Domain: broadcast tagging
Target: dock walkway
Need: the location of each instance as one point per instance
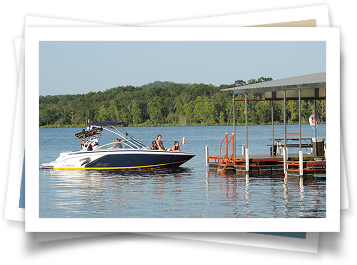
(263, 162)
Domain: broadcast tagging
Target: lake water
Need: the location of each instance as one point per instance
(191, 191)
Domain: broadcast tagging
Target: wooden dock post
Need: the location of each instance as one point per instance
(301, 163)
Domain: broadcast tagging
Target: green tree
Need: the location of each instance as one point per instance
(72, 117)
(199, 110)
(166, 102)
(180, 110)
(263, 112)
(112, 113)
(322, 110)
(136, 112)
(171, 118)
(240, 82)
(219, 103)
(155, 110)
(204, 111)
(103, 114)
(188, 108)
(45, 117)
(125, 116)
(292, 110)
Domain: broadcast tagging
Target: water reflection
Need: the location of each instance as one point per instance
(179, 193)
(107, 193)
(268, 196)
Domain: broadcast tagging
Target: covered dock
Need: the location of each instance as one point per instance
(305, 87)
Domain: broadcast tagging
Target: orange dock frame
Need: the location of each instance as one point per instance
(227, 159)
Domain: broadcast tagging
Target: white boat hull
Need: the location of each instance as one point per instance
(118, 159)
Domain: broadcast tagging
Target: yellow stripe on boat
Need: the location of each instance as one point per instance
(108, 168)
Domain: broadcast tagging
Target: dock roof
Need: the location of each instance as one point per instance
(317, 80)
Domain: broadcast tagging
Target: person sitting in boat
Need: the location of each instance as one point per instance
(117, 143)
(83, 144)
(159, 143)
(154, 146)
(89, 148)
(176, 147)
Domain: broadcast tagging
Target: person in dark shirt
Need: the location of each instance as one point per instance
(176, 147)
(159, 143)
(154, 146)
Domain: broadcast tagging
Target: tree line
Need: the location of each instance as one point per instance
(169, 104)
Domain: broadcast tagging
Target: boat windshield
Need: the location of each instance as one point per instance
(124, 144)
(94, 131)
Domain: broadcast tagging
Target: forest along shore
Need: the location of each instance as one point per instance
(169, 104)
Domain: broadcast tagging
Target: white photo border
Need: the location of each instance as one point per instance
(36, 34)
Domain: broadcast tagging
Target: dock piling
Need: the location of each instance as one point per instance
(284, 158)
(301, 163)
(247, 160)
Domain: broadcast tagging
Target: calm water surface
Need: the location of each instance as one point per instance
(191, 191)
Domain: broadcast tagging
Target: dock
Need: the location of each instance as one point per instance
(266, 163)
(306, 87)
(288, 163)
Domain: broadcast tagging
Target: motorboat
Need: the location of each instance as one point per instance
(124, 153)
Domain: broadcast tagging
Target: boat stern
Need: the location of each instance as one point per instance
(47, 165)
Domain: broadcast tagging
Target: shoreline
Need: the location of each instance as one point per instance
(173, 125)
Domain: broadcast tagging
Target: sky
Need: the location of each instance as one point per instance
(79, 67)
